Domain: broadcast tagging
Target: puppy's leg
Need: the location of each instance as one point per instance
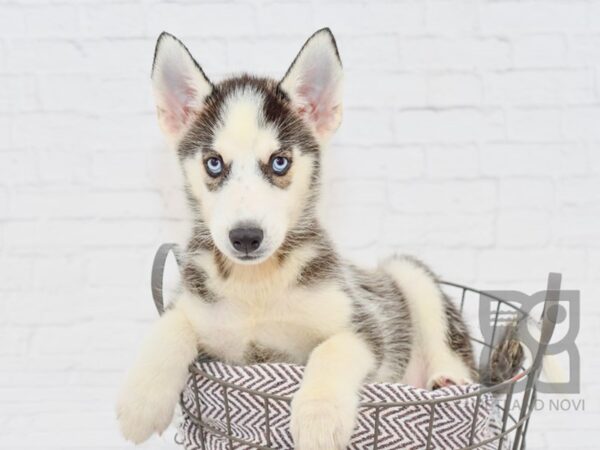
(324, 408)
(429, 315)
(152, 387)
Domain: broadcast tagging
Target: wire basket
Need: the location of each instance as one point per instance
(493, 417)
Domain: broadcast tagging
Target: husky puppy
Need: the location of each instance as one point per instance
(261, 279)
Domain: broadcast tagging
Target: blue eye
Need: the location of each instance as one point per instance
(280, 165)
(214, 166)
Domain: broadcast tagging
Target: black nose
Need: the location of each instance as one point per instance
(246, 239)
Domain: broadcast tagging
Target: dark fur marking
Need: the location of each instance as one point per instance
(258, 354)
(381, 292)
(223, 265)
(296, 238)
(369, 329)
(201, 239)
(194, 279)
(322, 267)
(277, 110)
(458, 336)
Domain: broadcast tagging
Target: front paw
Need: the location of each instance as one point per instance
(321, 423)
(144, 407)
(442, 380)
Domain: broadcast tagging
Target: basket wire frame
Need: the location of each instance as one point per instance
(512, 425)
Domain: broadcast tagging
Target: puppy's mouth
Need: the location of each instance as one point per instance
(249, 258)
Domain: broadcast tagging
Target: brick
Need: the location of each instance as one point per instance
(540, 51)
(526, 193)
(579, 192)
(358, 18)
(126, 170)
(284, 19)
(17, 271)
(398, 90)
(582, 50)
(454, 53)
(45, 56)
(58, 167)
(366, 127)
(6, 131)
(534, 159)
(207, 20)
(53, 340)
(540, 87)
(455, 264)
(104, 268)
(357, 192)
(369, 218)
(273, 58)
(452, 125)
(534, 124)
(531, 16)
(578, 226)
(67, 92)
(56, 132)
(453, 230)
(37, 203)
(111, 56)
(455, 89)
(15, 341)
(213, 55)
(25, 86)
(113, 20)
(12, 20)
(447, 196)
(397, 162)
(580, 123)
(82, 93)
(451, 17)
(453, 161)
(367, 53)
(515, 265)
(524, 229)
(52, 21)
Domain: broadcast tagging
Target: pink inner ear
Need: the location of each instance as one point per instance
(318, 107)
(178, 110)
(316, 93)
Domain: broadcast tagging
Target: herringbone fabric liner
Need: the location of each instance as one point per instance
(400, 427)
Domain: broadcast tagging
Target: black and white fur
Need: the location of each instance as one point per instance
(290, 297)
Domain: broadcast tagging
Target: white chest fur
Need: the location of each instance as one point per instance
(290, 321)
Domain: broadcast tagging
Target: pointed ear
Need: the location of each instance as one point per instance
(314, 83)
(180, 86)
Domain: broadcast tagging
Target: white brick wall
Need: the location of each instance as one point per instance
(470, 139)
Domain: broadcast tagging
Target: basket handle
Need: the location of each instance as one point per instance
(549, 317)
(158, 269)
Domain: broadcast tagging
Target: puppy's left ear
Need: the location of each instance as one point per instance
(314, 83)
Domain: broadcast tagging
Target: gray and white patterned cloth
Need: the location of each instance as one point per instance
(252, 422)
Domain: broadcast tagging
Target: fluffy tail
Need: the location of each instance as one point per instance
(505, 360)
(509, 356)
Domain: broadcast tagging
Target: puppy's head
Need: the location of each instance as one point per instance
(249, 147)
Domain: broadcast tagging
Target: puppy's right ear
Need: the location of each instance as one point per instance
(180, 86)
